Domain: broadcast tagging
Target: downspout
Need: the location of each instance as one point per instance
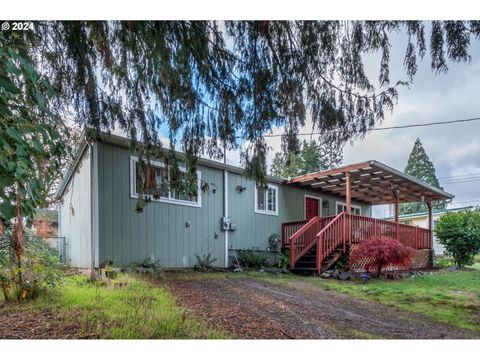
(92, 245)
(225, 213)
(93, 204)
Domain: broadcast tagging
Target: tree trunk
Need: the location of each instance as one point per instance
(17, 238)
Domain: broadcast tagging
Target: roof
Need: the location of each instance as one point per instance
(125, 142)
(371, 182)
(425, 213)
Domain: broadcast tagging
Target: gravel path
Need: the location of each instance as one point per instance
(253, 309)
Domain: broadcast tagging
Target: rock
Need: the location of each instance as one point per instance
(346, 275)
(325, 275)
(330, 272)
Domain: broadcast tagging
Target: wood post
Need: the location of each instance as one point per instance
(347, 193)
(430, 224)
(397, 227)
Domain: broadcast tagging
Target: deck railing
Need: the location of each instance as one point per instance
(290, 228)
(331, 232)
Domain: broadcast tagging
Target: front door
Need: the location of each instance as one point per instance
(312, 206)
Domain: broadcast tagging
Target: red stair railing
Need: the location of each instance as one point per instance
(335, 233)
(304, 239)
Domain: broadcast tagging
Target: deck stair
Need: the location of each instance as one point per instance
(316, 244)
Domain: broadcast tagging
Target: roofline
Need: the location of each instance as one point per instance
(412, 179)
(420, 214)
(125, 142)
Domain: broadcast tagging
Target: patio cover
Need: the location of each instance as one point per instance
(371, 182)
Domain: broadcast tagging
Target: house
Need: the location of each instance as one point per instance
(421, 219)
(45, 223)
(99, 194)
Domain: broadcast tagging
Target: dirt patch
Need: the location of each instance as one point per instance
(253, 309)
(45, 324)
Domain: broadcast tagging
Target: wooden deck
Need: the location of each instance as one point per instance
(327, 235)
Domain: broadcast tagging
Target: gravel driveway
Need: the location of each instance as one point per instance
(248, 307)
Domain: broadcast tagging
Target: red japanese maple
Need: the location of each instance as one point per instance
(382, 251)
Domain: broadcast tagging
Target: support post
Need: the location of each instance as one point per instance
(397, 227)
(430, 225)
(347, 192)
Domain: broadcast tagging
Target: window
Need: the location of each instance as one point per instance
(266, 200)
(355, 210)
(160, 190)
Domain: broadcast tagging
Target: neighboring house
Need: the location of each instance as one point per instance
(99, 194)
(421, 219)
(2, 224)
(45, 223)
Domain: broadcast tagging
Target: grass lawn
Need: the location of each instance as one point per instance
(137, 310)
(452, 297)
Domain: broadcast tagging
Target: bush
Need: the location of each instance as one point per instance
(40, 269)
(460, 234)
(382, 251)
(274, 242)
(252, 259)
(443, 262)
(204, 262)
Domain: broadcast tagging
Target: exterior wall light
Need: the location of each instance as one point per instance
(240, 188)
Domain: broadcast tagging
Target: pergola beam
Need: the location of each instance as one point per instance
(370, 182)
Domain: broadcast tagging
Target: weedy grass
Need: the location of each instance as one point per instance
(451, 297)
(137, 310)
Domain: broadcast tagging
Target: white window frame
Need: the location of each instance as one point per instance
(344, 204)
(267, 212)
(169, 200)
(320, 203)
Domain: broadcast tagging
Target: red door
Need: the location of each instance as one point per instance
(311, 207)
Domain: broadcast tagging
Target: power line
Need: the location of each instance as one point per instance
(460, 176)
(387, 128)
(460, 181)
(464, 202)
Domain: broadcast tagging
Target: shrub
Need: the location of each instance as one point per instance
(382, 251)
(443, 262)
(204, 262)
(460, 234)
(283, 260)
(252, 259)
(40, 269)
(274, 242)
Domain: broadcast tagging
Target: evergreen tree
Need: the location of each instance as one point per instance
(420, 167)
(312, 156)
(210, 81)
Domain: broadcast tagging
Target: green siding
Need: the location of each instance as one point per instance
(160, 232)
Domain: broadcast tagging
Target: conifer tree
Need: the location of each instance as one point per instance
(420, 167)
(312, 156)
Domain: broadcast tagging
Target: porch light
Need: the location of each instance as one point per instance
(240, 188)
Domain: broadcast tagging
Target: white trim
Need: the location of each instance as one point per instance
(225, 213)
(320, 204)
(267, 212)
(133, 185)
(344, 204)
